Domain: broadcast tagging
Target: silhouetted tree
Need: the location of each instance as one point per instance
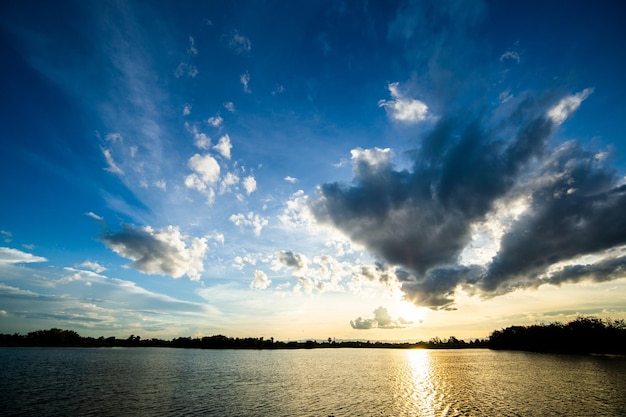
(583, 335)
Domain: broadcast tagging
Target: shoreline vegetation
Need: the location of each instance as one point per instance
(581, 336)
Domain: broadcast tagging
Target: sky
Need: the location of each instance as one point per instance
(372, 170)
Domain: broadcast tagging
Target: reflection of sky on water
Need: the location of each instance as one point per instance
(316, 382)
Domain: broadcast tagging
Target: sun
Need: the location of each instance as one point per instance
(409, 311)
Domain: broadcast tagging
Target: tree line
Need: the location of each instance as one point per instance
(69, 338)
(582, 335)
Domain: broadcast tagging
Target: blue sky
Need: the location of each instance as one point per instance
(371, 170)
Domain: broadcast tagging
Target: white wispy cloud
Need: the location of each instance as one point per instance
(402, 108)
(92, 266)
(215, 236)
(278, 90)
(206, 173)
(7, 289)
(568, 105)
(228, 181)
(249, 184)
(224, 146)
(206, 167)
(6, 235)
(510, 56)
(192, 46)
(75, 275)
(245, 81)
(114, 137)
(215, 121)
(93, 215)
(186, 69)
(210, 196)
(291, 179)
(111, 165)
(239, 42)
(15, 256)
(239, 262)
(250, 220)
(166, 251)
(186, 109)
(200, 139)
(160, 184)
(505, 96)
(230, 106)
(260, 280)
(100, 302)
(321, 273)
(194, 182)
(296, 213)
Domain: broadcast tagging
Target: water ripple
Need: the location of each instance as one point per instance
(317, 383)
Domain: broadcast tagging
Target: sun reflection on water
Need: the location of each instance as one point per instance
(422, 391)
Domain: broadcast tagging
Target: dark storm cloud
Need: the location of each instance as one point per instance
(578, 209)
(421, 219)
(605, 270)
(436, 288)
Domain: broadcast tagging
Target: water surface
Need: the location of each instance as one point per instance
(318, 382)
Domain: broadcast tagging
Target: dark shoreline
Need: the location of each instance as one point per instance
(69, 338)
(585, 335)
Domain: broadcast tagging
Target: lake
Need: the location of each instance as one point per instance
(316, 382)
